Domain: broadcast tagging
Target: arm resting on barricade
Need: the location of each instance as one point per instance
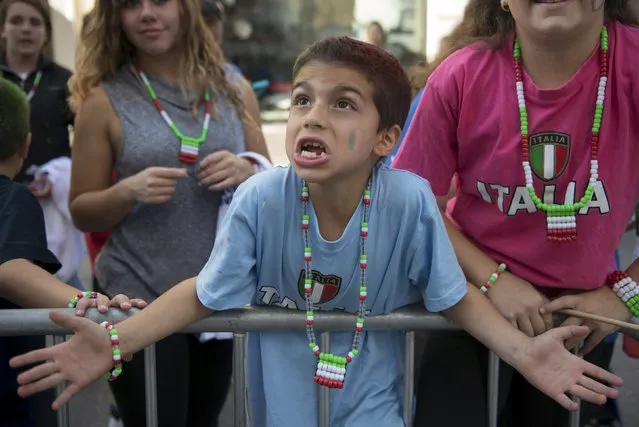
(170, 313)
(27, 285)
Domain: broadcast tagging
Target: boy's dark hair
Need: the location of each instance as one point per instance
(14, 119)
(391, 87)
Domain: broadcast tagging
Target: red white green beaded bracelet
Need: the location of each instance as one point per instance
(493, 278)
(115, 349)
(74, 301)
(626, 289)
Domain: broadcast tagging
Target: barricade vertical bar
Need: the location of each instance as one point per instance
(324, 395)
(150, 386)
(575, 417)
(63, 413)
(493, 389)
(409, 377)
(239, 380)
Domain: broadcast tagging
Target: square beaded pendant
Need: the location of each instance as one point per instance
(188, 152)
(331, 371)
(561, 226)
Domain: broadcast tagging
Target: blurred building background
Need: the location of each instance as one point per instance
(263, 37)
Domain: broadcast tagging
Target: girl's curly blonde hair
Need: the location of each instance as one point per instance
(104, 50)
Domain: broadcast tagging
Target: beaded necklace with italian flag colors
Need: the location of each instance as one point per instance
(34, 87)
(189, 146)
(561, 220)
(331, 369)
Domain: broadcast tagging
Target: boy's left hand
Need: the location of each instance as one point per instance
(548, 366)
(102, 303)
(603, 302)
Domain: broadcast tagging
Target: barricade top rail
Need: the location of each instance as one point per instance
(249, 319)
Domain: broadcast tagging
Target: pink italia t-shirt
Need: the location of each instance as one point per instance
(467, 124)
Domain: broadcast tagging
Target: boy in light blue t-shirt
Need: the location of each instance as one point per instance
(335, 230)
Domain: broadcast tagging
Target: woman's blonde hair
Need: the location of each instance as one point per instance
(105, 49)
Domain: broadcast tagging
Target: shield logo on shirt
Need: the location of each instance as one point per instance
(325, 287)
(549, 152)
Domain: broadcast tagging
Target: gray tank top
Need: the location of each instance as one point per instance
(157, 246)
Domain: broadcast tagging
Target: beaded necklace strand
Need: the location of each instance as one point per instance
(34, 87)
(561, 220)
(331, 369)
(189, 146)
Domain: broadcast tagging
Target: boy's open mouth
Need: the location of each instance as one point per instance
(312, 148)
(549, 1)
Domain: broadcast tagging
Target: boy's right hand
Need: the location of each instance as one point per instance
(154, 185)
(84, 358)
(519, 302)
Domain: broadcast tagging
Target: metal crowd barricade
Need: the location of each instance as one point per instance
(241, 321)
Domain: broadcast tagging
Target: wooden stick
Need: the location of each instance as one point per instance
(596, 318)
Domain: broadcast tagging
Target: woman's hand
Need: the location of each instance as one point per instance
(223, 169)
(154, 185)
(519, 302)
(603, 302)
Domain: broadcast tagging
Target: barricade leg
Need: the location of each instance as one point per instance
(409, 377)
(63, 413)
(324, 396)
(493, 389)
(150, 386)
(239, 380)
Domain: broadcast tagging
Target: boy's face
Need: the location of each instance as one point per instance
(332, 127)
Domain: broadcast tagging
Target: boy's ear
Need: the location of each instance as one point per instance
(24, 150)
(387, 141)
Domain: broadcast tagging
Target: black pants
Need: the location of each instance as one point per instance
(452, 383)
(193, 380)
(34, 411)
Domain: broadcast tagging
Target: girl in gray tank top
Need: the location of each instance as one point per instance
(162, 208)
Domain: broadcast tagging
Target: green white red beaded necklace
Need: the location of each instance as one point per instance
(331, 369)
(561, 220)
(34, 87)
(189, 146)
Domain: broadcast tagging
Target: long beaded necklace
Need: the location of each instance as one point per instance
(561, 220)
(331, 369)
(189, 146)
(34, 87)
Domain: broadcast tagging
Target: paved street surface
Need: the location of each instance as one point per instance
(90, 409)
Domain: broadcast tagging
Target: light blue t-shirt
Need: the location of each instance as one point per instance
(258, 259)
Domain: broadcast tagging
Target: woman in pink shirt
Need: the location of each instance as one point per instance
(535, 104)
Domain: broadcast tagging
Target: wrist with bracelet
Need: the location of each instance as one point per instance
(114, 339)
(116, 354)
(492, 279)
(626, 289)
